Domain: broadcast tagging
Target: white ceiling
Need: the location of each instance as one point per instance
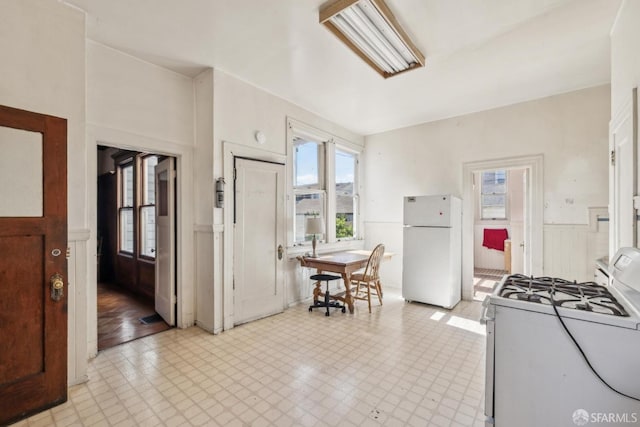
(480, 54)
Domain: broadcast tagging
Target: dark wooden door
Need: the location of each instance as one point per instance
(33, 247)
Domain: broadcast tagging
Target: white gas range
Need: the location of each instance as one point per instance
(561, 353)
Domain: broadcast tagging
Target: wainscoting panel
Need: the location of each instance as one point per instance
(204, 238)
(390, 234)
(77, 307)
(570, 251)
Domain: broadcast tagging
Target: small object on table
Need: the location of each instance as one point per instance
(313, 226)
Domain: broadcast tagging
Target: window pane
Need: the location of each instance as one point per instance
(163, 193)
(307, 156)
(127, 186)
(494, 206)
(149, 167)
(21, 189)
(494, 197)
(126, 230)
(307, 205)
(345, 194)
(494, 182)
(148, 231)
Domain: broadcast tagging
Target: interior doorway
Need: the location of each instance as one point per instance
(528, 171)
(500, 210)
(128, 255)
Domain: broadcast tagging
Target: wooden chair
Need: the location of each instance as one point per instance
(369, 281)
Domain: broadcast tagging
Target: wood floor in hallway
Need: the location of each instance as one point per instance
(119, 314)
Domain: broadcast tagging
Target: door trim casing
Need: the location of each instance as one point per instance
(223, 293)
(185, 270)
(535, 203)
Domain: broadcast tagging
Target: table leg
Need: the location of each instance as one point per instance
(317, 291)
(348, 299)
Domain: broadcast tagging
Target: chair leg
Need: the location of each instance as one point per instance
(379, 292)
(369, 296)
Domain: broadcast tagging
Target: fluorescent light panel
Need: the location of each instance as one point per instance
(369, 28)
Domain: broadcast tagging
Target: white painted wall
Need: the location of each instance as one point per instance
(239, 110)
(625, 75)
(625, 61)
(128, 94)
(133, 104)
(42, 46)
(570, 130)
(205, 239)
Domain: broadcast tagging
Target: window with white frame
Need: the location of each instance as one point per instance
(308, 183)
(148, 207)
(136, 205)
(125, 207)
(325, 185)
(346, 196)
(493, 194)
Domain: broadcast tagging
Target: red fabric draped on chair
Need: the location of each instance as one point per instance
(494, 238)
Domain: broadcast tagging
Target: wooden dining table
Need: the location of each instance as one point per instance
(345, 263)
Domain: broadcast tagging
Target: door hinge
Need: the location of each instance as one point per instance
(613, 157)
(233, 284)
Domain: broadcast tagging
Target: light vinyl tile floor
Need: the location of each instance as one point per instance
(405, 364)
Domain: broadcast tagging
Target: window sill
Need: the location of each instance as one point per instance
(146, 259)
(493, 222)
(324, 248)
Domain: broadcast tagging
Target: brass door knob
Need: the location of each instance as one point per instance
(57, 287)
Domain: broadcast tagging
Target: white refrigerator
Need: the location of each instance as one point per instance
(432, 250)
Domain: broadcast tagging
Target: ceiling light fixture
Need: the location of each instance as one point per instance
(369, 28)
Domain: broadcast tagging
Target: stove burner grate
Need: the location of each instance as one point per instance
(586, 296)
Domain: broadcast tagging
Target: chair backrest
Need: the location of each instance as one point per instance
(373, 265)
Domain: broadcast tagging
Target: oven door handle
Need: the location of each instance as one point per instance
(488, 311)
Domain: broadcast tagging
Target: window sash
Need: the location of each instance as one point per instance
(147, 184)
(126, 199)
(315, 207)
(346, 218)
(148, 231)
(127, 185)
(125, 225)
(319, 168)
(493, 195)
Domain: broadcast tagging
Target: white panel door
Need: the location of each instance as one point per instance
(258, 239)
(165, 296)
(624, 165)
(520, 232)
